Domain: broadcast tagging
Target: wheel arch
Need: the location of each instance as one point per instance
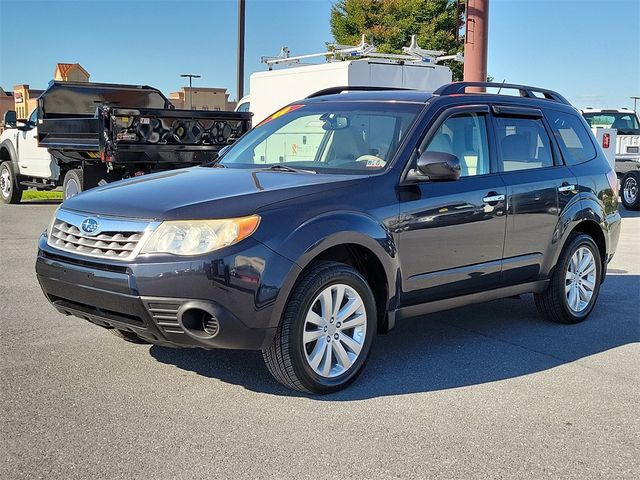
(8, 153)
(367, 246)
(587, 217)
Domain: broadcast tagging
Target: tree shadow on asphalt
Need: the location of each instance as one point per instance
(466, 346)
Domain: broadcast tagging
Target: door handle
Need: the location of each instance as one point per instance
(566, 188)
(493, 197)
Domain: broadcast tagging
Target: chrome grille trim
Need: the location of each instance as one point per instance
(114, 239)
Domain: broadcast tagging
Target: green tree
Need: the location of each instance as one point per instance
(389, 24)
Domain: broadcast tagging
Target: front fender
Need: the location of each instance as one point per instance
(8, 145)
(320, 233)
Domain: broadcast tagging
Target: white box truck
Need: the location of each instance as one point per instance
(273, 89)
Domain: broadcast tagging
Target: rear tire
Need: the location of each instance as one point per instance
(128, 336)
(72, 184)
(10, 189)
(575, 283)
(326, 331)
(630, 190)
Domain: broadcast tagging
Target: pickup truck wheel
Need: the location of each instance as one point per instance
(326, 331)
(10, 190)
(631, 191)
(127, 336)
(575, 283)
(72, 184)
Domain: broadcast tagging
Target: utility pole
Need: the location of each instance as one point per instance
(635, 100)
(190, 76)
(240, 73)
(476, 41)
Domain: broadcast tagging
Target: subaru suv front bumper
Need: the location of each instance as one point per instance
(221, 300)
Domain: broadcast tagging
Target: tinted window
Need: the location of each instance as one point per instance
(625, 123)
(523, 144)
(243, 107)
(465, 136)
(33, 118)
(574, 139)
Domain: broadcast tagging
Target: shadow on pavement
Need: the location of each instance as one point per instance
(466, 346)
(41, 202)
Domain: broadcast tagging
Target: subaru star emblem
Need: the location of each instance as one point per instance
(89, 225)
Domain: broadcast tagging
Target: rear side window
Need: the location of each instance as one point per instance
(523, 144)
(573, 138)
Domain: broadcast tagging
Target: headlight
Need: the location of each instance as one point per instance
(195, 237)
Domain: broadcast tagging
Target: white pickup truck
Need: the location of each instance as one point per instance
(21, 157)
(627, 124)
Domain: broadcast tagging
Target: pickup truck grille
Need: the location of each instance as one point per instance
(113, 239)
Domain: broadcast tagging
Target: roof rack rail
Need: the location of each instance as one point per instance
(524, 90)
(352, 88)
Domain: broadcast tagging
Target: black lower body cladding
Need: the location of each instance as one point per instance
(224, 301)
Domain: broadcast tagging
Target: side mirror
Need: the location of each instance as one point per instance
(435, 167)
(10, 118)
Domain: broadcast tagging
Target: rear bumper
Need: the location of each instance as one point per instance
(157, 301)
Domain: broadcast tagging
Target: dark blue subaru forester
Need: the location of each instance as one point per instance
(336, 217)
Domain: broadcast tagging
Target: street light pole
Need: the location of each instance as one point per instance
(240, 73)
(190, 76)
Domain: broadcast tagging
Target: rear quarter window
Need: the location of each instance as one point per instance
(572, 136)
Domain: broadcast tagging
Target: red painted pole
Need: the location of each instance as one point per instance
(476, 41)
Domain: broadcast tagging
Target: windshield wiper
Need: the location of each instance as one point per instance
(278, 167)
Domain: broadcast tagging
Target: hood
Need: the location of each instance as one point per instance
(201, 192)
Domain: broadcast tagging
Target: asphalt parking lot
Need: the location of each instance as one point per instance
(478, 392)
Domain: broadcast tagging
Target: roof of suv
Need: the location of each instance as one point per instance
(533, 96)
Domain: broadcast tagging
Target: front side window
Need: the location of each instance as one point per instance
(523, 144)
(465, 136)
(327, 137)
(574, 140)
(33, 118)
(243, 107)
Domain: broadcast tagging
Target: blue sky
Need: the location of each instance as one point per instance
(588, 50)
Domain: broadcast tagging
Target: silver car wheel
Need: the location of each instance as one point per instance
(580, 279)
(5, 182)
(335, 330)
(630, 190)
(71, 189)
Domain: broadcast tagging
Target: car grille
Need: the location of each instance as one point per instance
(107, 244)
(113, 238)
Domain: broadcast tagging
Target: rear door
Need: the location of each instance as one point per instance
(539, 186)
(451, 234)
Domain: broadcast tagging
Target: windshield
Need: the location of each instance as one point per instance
(625, 123)
(328, 137)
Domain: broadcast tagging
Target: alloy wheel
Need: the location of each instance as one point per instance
(580, 279)
(630, 190)
(335, 330)
(71, 189)
(5, 182)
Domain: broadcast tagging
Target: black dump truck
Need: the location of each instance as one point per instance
(97, 133)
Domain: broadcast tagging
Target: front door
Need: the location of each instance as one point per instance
(451, 234)
(35, 161)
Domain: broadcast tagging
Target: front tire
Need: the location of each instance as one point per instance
(326, 331)
(72, 184)
(630, 189)
(10, 189)
(575, 284)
